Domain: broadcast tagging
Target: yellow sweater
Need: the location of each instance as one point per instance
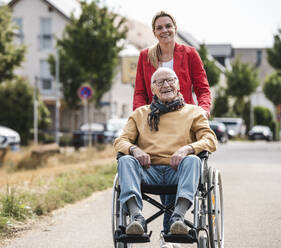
(186, 126)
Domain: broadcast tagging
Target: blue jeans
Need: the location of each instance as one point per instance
(131, 175)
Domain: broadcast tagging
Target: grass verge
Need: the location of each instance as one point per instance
(18, 204)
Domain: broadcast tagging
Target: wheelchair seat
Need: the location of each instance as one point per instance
(158, 189)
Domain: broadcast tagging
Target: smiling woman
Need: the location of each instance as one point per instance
(183, 60)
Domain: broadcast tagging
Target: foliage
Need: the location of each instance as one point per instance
(246, 115)
(67, 187)
(274, 53)
(11, 55)
(89, 51)
(16, 107)
(13, 206)
(262, 116)
(241, 80)
(272, 88)
(212, 71)
(221, 105)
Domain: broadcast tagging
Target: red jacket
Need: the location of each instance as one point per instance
(190, 71)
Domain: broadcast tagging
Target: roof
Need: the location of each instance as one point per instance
(64, 7)
(220, 49)
(188, 38)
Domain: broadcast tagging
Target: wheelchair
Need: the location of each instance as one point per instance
(207, 228)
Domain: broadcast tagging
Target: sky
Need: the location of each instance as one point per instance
(241, 23)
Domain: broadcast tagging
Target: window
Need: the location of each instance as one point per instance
(18, 31)
(45, 33)
(45, 75)
(259, 58)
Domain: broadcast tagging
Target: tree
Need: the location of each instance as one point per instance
(274, 53)
(212, 71)
(11, 55)
(241, 80)
(16, 107)
(221, 105)
(89, 51)
(272, 88)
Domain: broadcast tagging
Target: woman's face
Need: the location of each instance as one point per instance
(165, 86)
(164, 30)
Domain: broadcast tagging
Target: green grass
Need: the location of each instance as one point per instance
(46, 196)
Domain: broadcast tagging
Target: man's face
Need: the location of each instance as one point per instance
(165, 86)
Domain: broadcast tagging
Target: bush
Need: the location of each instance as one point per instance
(13, 206)
(66, 140)
(262, 116)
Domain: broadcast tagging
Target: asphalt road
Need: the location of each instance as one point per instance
(251, 173)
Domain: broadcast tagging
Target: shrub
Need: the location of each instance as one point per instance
(262, 116)
(13, 206)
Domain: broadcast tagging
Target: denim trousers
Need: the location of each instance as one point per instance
(131, 175)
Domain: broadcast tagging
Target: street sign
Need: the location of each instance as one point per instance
(85, 92)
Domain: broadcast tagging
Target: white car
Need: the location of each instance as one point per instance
(235, 126)
(9, 137)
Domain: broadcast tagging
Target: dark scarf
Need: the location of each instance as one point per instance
(159, 108)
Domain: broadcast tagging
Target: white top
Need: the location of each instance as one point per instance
(169, 64)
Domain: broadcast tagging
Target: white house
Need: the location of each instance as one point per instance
(40, 22)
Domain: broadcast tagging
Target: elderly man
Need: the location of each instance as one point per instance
(160, 142)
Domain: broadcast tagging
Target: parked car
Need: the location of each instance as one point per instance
(235, 126)
(114, 128)
(81, 137)
(260, 133)
(9, 138)
(220, 130)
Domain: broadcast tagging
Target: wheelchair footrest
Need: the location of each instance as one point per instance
(180, 238)
(126, 238)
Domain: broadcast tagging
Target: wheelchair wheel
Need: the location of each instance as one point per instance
(215, 209)
(115, 215)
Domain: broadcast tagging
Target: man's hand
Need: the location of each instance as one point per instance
(179, 155)
(142, 157)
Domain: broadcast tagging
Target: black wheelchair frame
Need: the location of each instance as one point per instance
(207, 228)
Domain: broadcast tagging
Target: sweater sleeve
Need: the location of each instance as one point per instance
(200, 82)
(127, 138)
(140, 92)
(205, 137)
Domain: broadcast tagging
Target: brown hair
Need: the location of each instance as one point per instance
(154, 52)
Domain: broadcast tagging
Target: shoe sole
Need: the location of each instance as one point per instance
(135, 229)
(178, 228)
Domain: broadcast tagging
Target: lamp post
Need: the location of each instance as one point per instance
(57, 89)
(35, 111)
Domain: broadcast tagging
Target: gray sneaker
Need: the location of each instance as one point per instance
(177, 225)
(137, 225)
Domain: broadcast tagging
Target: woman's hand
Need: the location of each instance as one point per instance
(142, 157)
(179, 155)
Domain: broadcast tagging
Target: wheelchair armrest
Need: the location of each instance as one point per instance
(119, 155)
(203, 154)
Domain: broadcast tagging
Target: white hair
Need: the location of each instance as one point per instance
(163, 69)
